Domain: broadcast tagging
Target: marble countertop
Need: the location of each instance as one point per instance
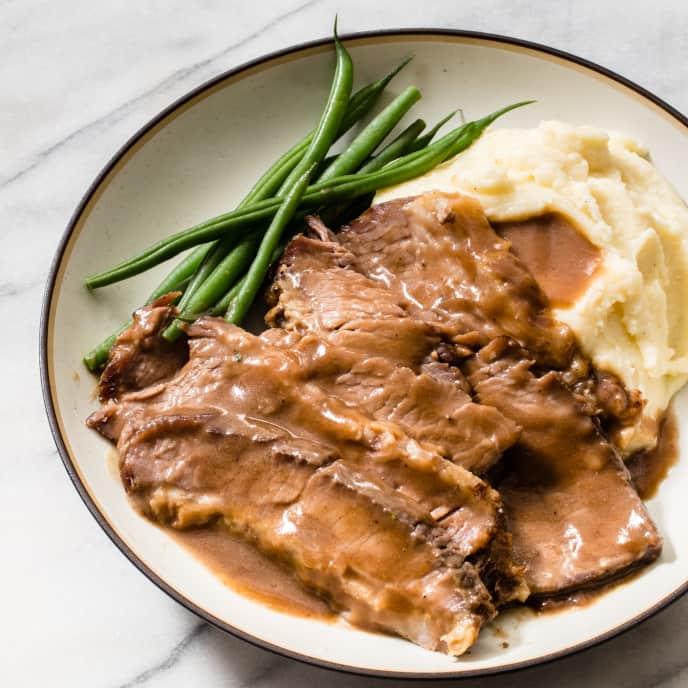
(78, 78)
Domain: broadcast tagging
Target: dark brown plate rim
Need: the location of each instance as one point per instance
(71, 469)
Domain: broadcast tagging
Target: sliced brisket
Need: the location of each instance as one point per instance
(408, 353)
(360, 512)
(364, 348)
(575, 518)
(449, 266)
(444, 261)
(574, 515)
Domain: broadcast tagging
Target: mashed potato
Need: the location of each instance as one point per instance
(631, 318)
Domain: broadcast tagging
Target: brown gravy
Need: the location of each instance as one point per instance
(560, 258)
(246, 570)
(649, 468)
(243, 568)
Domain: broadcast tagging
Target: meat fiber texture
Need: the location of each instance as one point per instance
(364, 346)
(411, 356)
(573, 514)
(363, 514)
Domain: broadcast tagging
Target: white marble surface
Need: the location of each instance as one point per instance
(78, 78)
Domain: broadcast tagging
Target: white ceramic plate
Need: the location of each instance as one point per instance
(195, 160)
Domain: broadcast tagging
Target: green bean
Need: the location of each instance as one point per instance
(268, 184)
(222, 277)
(477, 127)
(372, 135)
(220, 308)
(319, 142)
(274, 178)
(348, 186)
(97, 357)
(264, 188)
(219, 250)
(325, 164)
(446, 143)
(325, 134)
(362, 101)
(358, 107)
(360, 104)
(425, 140)
(449, 146)
(418, 154)
(395, 149)
(255, 276)
(237, 219)
(332, 117)
(181, 272)
(318, 194)
(237, 303)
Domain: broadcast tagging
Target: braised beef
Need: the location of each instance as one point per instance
(363, 514)
(449, 267)
(438, 253)
(141, 357)
(408, 353)
(378, 357)
(575, 517)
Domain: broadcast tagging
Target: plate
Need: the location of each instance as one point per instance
(195, 160)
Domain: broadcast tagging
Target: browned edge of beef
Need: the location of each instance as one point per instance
(361, 513)
(449, 267)
(140, 356)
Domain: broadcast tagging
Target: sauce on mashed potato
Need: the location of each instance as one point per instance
(630, 316)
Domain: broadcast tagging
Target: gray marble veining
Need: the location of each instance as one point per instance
(78, 78)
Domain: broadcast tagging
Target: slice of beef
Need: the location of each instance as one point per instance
(448, 265)
(431, 405)
(364, 348)
(140, 357)
(360, 512)
(439, 254)
(317, 289)
(571, 508)
(445, 262)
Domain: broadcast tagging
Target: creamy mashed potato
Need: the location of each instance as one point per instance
(631, 318)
